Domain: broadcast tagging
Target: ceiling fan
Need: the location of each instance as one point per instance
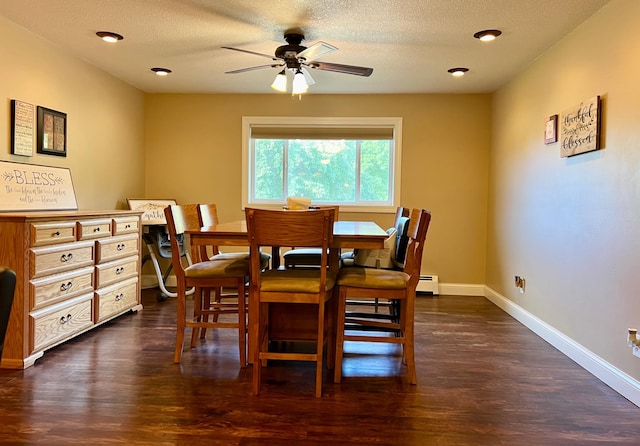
(298, 59)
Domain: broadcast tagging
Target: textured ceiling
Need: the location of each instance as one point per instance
(410, 44)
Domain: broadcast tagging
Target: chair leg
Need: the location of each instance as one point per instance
(242, 324)
(339, 349)
(197, 314)
(260, 344)
(408, 331)
(181, 315)
(320, 349)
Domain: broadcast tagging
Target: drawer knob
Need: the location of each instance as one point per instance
(64, 320)
(127, 226)
(66, 286)
(66, 257)
(119, 270)
(120, 246)
(119, 297)
(96, 229)
(56, 234)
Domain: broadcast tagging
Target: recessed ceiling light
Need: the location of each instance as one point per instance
(161, 71)
(458, 72)
(108, 36)
(487, 35)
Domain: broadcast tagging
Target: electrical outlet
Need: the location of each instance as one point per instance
(636, 351)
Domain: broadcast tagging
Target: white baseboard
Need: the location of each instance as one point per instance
(615, 378)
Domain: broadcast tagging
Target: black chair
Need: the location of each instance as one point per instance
(7, 288)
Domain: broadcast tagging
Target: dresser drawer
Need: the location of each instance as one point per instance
(116, 271)
(60, 258)
(115, 299)
(92, 229)
(51, 289)
(53, 233)
(61, 321)
(117, 247)
(125, 225)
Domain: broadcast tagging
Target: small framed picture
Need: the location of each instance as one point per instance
(551, 130)
(22, 127)
(52, 132)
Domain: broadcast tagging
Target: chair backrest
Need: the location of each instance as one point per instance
(417, 232)
(312, 228)
(401, 223)
(208, 215)
(179, 219)
(7, 289)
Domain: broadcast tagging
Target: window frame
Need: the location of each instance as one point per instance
(394, 123)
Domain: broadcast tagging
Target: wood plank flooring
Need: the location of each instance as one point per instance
(483, 379)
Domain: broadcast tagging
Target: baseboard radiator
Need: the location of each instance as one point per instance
(428, 285)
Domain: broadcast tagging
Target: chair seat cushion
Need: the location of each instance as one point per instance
(295, 281)
(359, 277)
(264, 257)
(223, 267)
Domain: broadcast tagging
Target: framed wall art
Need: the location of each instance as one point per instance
(22, 128)
(52, 132)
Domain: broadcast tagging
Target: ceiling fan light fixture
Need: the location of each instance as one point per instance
(280, 82)
(161, 71)
(108, 36)
(487, 35)
(299, 83)
(458, 72)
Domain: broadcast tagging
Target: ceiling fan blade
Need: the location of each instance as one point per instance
(307, 76)
(249, 52)
(316, 50)
(259, 67)
(339, 68)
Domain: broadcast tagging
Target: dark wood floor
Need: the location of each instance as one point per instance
(483, 379)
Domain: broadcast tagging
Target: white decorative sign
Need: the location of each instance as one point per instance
(29, 187)
(580, 128)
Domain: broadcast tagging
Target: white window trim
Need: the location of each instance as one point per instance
(310, 121)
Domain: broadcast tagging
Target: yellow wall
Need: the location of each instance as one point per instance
(570, 225)
(194, 154)
(105, 117)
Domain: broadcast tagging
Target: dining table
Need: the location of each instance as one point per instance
(283, 324)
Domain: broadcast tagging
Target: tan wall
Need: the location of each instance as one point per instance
(570, 225)
(105, 117)
(194, 154)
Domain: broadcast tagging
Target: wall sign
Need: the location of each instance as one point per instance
(152, 210)
(35, 188)
(580, 128)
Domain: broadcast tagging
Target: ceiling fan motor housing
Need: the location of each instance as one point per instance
(289, 52)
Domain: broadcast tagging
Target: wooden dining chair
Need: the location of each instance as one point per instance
(371, 283)
(205, 276)
(400, 226)
(313, 228)
(208, 216)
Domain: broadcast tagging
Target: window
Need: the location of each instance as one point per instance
(351, 162)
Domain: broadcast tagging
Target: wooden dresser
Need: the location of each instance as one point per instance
(74, 271)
